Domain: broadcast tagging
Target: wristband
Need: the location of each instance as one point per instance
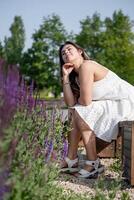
(66, 83)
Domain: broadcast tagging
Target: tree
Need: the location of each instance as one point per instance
(118, 45)
(1, 51)
(41, 61)
(89, 36)
(110, 42)
(14, 45)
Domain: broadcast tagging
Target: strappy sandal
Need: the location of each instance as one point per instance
(97, 169)
(71, 166)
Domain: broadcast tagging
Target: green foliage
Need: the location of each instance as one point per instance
(116, 166)
(1, 51)
(28, 169)
(110, 42)
(125, 196)
(41, 62)
(107, 191)
(119, 45)
(89, 36)
(14, 45)
(30, 176)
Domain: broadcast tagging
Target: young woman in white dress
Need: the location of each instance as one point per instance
(98, 100)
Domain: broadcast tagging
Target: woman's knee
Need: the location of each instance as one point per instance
(80, 123)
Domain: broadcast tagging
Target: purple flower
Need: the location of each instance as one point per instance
(31, 89)
(3, 190)
(65, 148)
(49, 151)
(46, 142)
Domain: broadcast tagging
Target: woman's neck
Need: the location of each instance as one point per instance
(77, 64)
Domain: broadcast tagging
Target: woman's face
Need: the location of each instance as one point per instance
(70, 53)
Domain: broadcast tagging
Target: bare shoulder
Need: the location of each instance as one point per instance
(97, 66)
(92, 67)
(87, 66)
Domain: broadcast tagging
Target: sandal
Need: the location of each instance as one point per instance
(71, 166)
(97, 169)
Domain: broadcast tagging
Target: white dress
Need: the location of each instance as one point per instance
(112, 102)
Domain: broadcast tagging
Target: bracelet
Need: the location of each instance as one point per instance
(66, 83)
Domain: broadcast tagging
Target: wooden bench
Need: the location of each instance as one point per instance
(126, 129)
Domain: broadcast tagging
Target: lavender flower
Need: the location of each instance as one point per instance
(3, 190)
(49, 151)
(65, 148)
(3, 187)
(46, 142)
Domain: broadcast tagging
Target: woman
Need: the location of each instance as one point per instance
(98, 98)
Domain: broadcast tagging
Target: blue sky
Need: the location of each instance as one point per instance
(70, 12)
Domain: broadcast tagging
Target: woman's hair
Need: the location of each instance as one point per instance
(72, 76)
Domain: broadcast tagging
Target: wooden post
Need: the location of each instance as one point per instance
(132, 155)
(128, 150)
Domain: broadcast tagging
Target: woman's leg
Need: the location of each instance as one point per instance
(73, 137)
(73, 141)
(89, 139)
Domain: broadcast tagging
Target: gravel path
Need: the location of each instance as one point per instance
(105, 183)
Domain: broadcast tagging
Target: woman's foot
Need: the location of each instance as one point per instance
(91, 169)
(69, 166)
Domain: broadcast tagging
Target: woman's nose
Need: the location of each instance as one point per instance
(66, 51)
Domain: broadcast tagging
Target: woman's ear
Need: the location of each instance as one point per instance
(80, 51)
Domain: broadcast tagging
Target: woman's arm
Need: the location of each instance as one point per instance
(69, 98)
(86, 78)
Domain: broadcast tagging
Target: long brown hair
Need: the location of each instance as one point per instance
(72, 76)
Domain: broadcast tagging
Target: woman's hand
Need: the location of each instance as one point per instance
(67, 69)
